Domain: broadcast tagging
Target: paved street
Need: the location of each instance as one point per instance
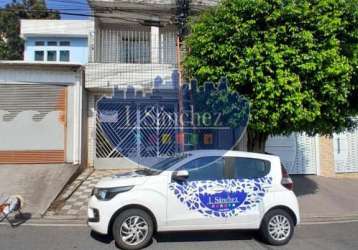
(325, 236)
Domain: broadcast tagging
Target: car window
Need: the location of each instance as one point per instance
(247, 168)
(205, 168)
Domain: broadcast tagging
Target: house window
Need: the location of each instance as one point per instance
(52, 43)
(39, 55)
(65, 43)
(135, 49)
(51, 56)
(39, 43)
(64, 55)
(124, 46)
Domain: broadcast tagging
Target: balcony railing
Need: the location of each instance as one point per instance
(122, 46)
(137, 57)
(139, 45)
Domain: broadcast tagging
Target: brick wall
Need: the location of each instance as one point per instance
(326, 155)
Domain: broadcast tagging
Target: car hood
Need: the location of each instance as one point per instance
(121, 180)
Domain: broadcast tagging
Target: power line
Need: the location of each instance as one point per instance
(53, 11)
(68, 1)
(133, 20)
(106, 11)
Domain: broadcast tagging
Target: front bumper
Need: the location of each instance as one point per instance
(99, 215)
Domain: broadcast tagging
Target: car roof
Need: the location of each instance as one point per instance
(233, 153)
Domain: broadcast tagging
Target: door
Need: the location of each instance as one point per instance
(193, 204)
(250, 179)
(32, 123)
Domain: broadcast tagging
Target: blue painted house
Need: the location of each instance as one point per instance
(56, 41)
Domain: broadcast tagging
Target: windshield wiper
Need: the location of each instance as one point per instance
(147, 171)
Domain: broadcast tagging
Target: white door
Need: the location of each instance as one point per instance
(192, 203)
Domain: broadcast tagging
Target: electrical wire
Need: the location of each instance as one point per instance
(73, 11)
(128, 20)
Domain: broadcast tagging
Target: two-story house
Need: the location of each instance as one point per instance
(134, 71)
(134, 61)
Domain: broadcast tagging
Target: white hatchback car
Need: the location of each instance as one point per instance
(199, 190)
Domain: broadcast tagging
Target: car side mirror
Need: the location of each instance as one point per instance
(180, 175)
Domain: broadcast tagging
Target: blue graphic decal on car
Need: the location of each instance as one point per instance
(223, 198)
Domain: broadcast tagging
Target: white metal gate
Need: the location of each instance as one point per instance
(297, 152)
(345, 146)
(131, 133)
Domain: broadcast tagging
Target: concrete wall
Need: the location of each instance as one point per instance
(66, 28)
(84, 139)
(78, 48)
(91, 132)
(39, 74)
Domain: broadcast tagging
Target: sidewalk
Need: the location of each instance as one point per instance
(72, 203)
(320, 198)
(38, 184)
(323, 198)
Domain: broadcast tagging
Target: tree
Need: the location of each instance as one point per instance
(11, 45)
(296, 62)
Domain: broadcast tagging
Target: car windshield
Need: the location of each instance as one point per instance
(162, 165)
(167, 163)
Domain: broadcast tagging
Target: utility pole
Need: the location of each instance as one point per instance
(181, 21)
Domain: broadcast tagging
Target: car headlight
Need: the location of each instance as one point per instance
(105, 194)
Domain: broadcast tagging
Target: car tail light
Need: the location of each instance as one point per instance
(286, 179)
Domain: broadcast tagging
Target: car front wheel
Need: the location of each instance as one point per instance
(277, 227)
(133, 229)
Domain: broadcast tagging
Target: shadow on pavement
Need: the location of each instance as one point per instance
(205, 236)
(106, 239)
(17, 220)
(304, 185)
(191, 236)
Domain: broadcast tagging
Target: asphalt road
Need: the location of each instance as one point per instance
(324, 236)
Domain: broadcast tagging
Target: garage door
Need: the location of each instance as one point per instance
(297, 152)
(345, 147)
(32, 123)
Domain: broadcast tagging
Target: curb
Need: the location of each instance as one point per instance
(71, 189)
(328, 219)
(68, 221)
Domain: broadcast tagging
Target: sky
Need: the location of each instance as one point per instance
(71, 6)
